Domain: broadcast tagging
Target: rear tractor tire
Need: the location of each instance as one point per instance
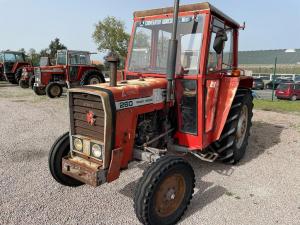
(23, 84)
(91, 77)
(18, 74)
(39, 90)
(233, 142)
(54, 90)
(164, 191)
(60, 149)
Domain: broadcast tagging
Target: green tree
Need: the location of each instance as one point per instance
(34, 57)
(54, 46)
(110, 36)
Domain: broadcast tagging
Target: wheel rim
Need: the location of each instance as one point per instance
(242, 126)
(94, 80)
(169, 195)
(55, 90)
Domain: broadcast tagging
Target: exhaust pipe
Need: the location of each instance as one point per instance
(113, 60)
(172, 54)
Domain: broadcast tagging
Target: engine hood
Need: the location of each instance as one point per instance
(130, 89)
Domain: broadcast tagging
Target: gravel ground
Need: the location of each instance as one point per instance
(263, 189)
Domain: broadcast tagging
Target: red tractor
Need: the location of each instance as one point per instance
(11, 65)
(189, 98)
(73, 68)
(27, 78)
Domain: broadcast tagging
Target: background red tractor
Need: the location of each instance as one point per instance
(27, 78)
(11, 65)
(190, 99)
(72, 69)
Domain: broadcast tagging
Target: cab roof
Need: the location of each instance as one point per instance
(187, 8)
(74, 51)
(13, 52)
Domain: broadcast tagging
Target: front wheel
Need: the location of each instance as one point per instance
(60, 149)
(164, 191)
(39, 91)
(23, 84)
(54, 90)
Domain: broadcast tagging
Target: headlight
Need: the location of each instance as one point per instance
(78, 144)
(96, 150)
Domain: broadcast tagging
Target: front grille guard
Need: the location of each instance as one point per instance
(108, 134)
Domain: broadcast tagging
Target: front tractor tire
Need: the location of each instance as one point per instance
(38, 90)
(23, 84)
(164, 191)
(233, 142)
(60, 149)
(54, 90)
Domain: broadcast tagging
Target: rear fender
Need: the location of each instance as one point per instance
(227, 91)
(19, 65)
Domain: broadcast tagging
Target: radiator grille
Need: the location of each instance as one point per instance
(81, 105)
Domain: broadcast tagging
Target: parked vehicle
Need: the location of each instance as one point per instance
(11, 65)
(258, 84)
(27, 78)
(277, 82)
(72, 69)
(206, 114)
(288, 91)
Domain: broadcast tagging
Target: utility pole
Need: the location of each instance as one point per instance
(273, 79)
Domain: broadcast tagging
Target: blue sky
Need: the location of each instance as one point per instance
(33, 23)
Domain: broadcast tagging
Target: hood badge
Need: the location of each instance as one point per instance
(90, 118)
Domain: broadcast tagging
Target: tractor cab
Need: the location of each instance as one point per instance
(73, 68)
(206, 63)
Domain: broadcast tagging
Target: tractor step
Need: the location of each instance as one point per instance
(207, 157)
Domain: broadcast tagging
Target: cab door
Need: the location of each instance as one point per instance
(73, 67)
(220, 62)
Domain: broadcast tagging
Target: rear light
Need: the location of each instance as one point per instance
(236, 73)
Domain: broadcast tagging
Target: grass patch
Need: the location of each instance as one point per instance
(277, 105)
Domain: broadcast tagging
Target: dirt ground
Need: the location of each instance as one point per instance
(264, 188)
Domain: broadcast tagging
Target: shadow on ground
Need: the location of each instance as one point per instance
(263, 137)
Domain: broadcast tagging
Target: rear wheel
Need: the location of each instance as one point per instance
(294, 98)
(23, 84)
(39, 90)
(11, 78)
(233, 142)
(18, 74)
(60, 149)
(164, 191)
(92, 77)
(54, 90)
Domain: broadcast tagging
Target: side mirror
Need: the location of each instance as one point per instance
(221, 38)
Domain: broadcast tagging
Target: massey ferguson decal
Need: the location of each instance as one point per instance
(158, 96)
(90, 118)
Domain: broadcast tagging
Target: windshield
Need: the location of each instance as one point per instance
(79, 59)
(149, 53)
(283, 87)
(14, 57)
(62, 58)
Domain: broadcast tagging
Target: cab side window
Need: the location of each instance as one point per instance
(222, 60)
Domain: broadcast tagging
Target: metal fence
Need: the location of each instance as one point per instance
(267, 76)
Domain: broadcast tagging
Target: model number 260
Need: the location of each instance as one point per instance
(126, 104)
